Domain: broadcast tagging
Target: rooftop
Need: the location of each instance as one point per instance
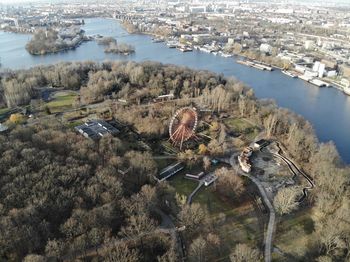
(95, 129)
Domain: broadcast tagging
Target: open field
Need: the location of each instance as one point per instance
(238, 124)
(61, 101)
(241, 126)
(4, 110)
(298, 225)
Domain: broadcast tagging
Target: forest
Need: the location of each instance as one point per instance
(63, 197)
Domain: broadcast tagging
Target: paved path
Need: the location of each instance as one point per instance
(268, 204)
(294, 169)
(189, 198)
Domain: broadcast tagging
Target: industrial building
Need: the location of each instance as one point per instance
(96, 129)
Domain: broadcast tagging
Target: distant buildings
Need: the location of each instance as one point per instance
(96, 129)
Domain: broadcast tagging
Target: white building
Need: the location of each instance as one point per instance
(265, 48)
(309, 44)
(320, 68)
(198, 9)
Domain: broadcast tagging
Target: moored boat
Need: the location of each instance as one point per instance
(288, 73)
(347, 90)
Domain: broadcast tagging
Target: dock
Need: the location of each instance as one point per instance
(256, 65)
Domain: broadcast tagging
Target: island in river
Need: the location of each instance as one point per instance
(112, 46)
(53, 41)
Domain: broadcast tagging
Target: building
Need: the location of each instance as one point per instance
(198, 9)
(170, 171)
(260, 143)
(265, 48)
(96, 129)
(209, 179)
(309, 45)
(319, 68)
(195, 177)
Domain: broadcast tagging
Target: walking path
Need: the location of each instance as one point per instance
(268, 204)
(189, 198)
(295, 170)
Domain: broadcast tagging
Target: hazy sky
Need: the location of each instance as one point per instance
(9, 2)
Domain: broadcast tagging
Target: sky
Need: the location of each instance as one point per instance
(9, 2)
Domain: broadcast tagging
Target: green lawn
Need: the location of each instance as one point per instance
(4, 110)
(74, 123)
(62, 101)
(242, 127)
(238, 124)
(295, 233)
(182, 185)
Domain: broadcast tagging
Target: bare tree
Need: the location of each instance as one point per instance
(120, 252)
(197, 250)
(285, 200)
(206, 163)
(244, 253)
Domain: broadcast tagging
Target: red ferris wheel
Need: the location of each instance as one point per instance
(183, 125)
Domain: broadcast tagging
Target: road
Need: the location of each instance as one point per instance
(272, 217)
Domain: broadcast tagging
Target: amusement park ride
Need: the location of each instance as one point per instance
(183, 125)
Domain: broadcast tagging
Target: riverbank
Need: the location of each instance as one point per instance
(326, 109)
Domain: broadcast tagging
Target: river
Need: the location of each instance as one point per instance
(327, 109)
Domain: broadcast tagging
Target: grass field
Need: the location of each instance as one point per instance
(4, 110)
(238, 124)
(74, 123)
(62, 101)
(242, 127)
(300, 226)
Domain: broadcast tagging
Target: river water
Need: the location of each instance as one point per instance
(327, 109)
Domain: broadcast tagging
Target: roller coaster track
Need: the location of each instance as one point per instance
(295, 171)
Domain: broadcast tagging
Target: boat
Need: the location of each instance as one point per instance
(288, 73)
(157, 40)
(205, 49)
(305, 78)
(255, 65)
(318, 82)
(347, 90)
(172, 44)
(226, 55)
(185, 49)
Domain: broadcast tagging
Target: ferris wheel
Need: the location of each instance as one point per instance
(183, 125)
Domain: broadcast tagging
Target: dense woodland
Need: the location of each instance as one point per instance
(62, 195)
